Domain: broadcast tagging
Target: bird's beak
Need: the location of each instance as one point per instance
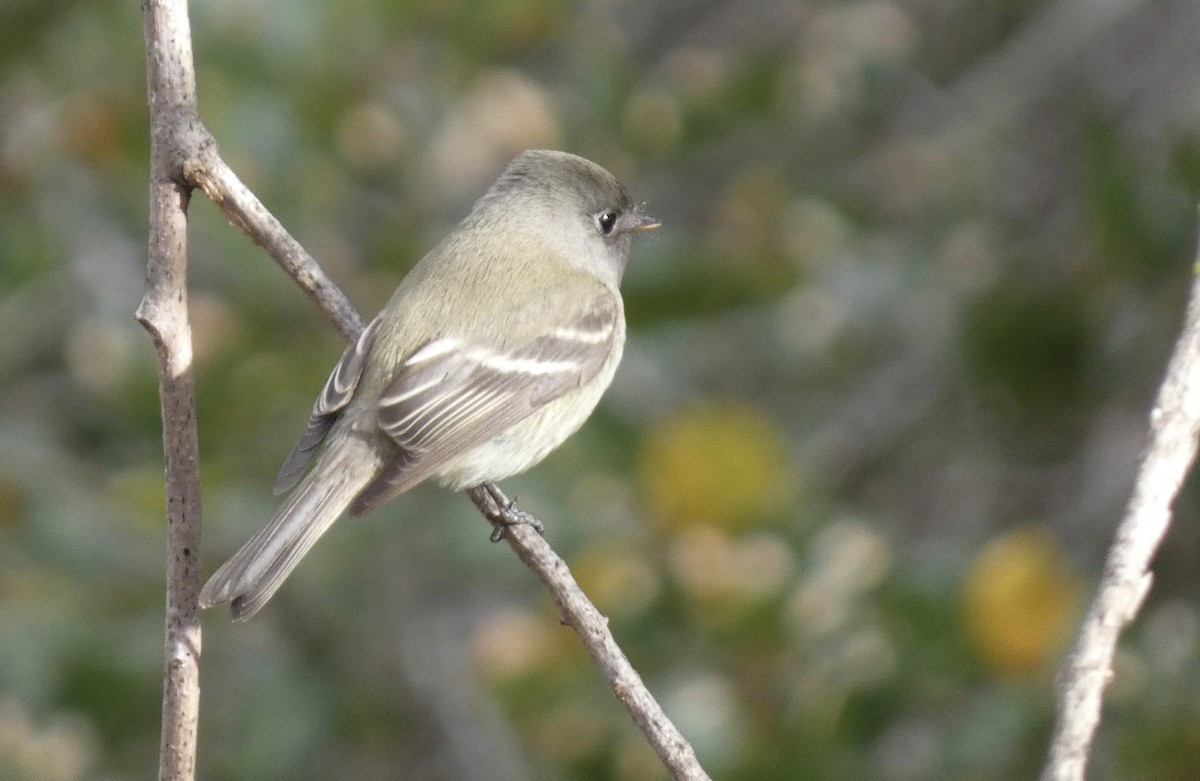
(644, 222)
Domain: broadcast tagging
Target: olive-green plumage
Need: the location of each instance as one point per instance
(494, 349)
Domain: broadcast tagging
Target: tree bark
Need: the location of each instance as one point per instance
(1170, 451)
(174, 125)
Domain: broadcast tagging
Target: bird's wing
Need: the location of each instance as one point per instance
(449, 396)
(334, 397)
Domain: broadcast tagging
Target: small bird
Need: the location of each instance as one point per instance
(494, 349)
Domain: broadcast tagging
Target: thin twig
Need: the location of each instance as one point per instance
(243, 208)
(174, 125)
(1171, 449)
(523, 533)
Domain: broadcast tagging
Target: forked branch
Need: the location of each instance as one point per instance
(184, 156)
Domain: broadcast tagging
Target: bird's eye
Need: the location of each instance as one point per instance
(606, 221)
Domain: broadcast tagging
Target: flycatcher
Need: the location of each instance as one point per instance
(494, 349)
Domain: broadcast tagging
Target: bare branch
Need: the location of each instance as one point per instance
(174, 125)
(184, 155)
(209, 172)
(524, 536)
(1174, 423)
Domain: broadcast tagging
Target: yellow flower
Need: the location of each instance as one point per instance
(717, 464)
(1021, 601)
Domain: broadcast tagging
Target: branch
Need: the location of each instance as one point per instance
(210, 173)
(1174, 423)
(174, 125)
(191, 159)
(184, 155)
(523, 533)
(248, 213)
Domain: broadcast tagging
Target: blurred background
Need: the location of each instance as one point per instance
(891, 357)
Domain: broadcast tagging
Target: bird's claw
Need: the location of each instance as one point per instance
(505, 513)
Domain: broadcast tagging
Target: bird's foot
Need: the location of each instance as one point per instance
(500, 511)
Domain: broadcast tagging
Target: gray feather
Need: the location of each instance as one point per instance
(330, 403)
(448, 397)
(257, 570)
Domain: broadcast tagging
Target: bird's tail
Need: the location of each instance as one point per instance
(256, 571)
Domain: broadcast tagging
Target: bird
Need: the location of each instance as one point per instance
(495, 347)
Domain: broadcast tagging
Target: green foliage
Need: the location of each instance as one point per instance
(1028, 349)
(890, 357)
